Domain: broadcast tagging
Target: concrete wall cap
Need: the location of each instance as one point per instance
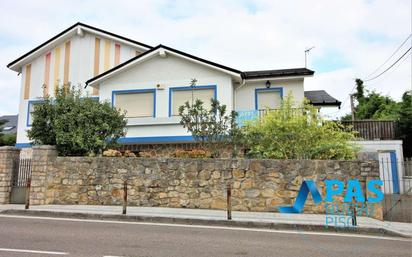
(9, 148)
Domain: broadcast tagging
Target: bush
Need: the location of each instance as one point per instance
(212, 128)
(297, 133)
(195, 153)
(77, 125)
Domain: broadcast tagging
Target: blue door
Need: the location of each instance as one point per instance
(395, 177)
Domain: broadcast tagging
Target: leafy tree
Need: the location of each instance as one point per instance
(212, 128)
(297, 133)
(372, 105)
(405, 122)
(77, 125)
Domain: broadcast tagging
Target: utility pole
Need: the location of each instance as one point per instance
(352, 106)
(306, 53)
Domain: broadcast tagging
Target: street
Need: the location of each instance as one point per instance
(32, 236)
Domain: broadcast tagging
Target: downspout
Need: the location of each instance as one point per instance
(234, 95)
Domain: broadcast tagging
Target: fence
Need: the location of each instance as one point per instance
(373, 129)
(397, 187)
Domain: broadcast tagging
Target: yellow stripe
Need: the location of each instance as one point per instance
(96, 62)
(117, 54)
(107, 45)
(27, 82)
(56, 67)
(47, 75)
(66, 63)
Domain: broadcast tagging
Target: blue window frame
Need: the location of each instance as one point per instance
(31, 104)
(188, 88)
(135, 91)
(258, 90)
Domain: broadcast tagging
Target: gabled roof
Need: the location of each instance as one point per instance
(321, 98)
(73, 29)
(10, 127)
(277, 73)
(136, 59)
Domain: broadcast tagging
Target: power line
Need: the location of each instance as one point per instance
(406, 40)
(380, 74)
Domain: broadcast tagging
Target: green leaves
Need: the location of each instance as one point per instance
(212, 127)
(77, 125)
(297, 133)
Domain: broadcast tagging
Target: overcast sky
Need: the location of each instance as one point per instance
(351, 37)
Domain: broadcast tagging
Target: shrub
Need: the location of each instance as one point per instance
(77, 125)
(212, 128)
(112, 153)
(298, 133)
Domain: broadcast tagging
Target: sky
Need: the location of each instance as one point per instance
(352, 38)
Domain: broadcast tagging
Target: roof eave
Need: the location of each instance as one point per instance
(17, 63)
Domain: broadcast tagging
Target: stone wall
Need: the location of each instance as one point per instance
(8, 157)
(258, 185)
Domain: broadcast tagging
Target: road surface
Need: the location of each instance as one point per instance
(30, 236)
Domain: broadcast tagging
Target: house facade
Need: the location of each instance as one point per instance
(149, 83)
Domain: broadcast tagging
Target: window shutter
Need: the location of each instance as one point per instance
(136, 104)
(179, 97)
(269, 99)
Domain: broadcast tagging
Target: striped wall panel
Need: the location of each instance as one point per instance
(107, 45)
(46, 75)
(27, 82)
(96, 62)
(56, 67)
(66, 63)
(117, 54)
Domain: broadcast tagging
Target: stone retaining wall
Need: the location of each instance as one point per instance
(257, 185)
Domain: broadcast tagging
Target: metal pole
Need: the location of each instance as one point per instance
(229, 201)
(26, 207)
(124, 197)
(352, 107)
(354, 221)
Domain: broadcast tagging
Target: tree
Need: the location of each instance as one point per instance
(297, 133)
(77, 125)
(405, 122)
(373, 105)
(212, 129)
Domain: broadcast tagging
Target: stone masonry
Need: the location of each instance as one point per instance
(8, 157)
(258, 185)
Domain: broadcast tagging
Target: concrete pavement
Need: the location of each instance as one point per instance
(214, 217)
(44, 236)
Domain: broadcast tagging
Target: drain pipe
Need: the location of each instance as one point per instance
(234, 96)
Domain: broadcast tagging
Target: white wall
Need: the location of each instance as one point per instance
(81, 67)
(245, 95)
(170, 71)
(384, 146)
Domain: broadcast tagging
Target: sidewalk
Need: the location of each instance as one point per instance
(312, 222)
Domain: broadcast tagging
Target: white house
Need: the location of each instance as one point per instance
(150, 83)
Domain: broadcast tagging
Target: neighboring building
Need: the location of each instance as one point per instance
(10, 127)
(150, 83)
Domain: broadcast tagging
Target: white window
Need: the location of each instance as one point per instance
(179, 97)
(30, 110)
(7, 128)
(135, 103)
(268, 99)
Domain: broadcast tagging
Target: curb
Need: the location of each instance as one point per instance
(222, 223)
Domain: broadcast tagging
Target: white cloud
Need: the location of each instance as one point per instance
(246, 35)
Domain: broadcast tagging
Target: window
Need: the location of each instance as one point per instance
(7, 128)
(30, 109)
(136, 103)
(268, 98)
(178, 97)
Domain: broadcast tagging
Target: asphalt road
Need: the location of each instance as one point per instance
(29, 236)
